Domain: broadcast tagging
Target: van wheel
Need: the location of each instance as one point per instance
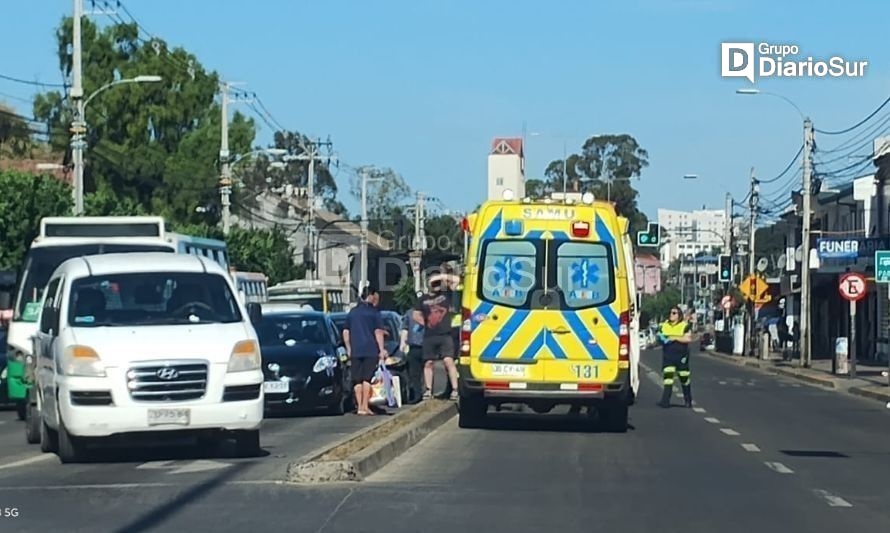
(71, 449)
(49, 438)
(247, 443)
(32, 423)
(614, 414)
(471, 411)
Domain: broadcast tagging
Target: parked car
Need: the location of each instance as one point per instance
(304, 362)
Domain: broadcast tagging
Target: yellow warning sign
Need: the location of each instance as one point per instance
(755, 289)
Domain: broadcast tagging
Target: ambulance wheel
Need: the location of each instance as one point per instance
(471, 411)
(614, 414)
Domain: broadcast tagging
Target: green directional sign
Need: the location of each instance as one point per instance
(882, 266)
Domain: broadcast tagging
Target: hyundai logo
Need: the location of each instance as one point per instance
(167, 373)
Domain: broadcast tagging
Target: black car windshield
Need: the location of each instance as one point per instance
(152, 298)
(288, 330)
(42, 262)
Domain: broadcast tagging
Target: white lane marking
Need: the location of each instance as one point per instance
(28, 461)
(779, 467)
(155, 465)
(679, 395)
(722, 382)
(699, 409)
(712, 420)
(749, 447)
(833, 501)
(134, 485)
(2, 422)
(730, 432)
(200, 465)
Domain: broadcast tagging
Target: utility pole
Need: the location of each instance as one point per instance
(364, 238)
(805, 314)
(225, 178)
(727, 225)
(311, 154)
(752, 231)
(78, 126)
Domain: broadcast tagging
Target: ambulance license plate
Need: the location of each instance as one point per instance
(158, 417)
(508, 371)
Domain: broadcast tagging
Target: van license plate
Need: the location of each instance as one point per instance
(276, 387)
(508, 371)
(158, 417)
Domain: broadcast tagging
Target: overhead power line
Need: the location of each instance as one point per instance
(791, 164)
(32, 83)
(860, 123)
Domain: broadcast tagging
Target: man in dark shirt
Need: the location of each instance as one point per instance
(434, 311)
(363, 336)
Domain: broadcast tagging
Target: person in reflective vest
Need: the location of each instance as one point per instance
(675, 335)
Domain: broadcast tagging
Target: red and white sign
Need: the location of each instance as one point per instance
(726, 302)
(853, 286)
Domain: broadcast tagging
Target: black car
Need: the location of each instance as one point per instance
(304, 362)
(396, 362)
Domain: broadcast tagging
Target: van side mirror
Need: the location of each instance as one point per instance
(255, 312)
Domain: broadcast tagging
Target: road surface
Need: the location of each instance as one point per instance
(760, 453)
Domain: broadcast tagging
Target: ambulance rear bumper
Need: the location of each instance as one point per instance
(542, 391)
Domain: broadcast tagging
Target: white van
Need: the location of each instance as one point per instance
(146, 342)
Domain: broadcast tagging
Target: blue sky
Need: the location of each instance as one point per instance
(423, 86)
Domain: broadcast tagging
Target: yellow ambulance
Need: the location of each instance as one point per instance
(547, 309)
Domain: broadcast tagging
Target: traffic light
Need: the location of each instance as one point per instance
(650, 237)
(724, 268)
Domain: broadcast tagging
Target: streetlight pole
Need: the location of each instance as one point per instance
(806, 192)
(78, 127)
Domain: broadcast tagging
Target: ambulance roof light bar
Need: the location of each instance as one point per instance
(508, 195)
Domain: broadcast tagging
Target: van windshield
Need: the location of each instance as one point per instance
(151, 298)
(43, 261)
(579, 274)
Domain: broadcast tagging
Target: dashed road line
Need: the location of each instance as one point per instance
(750, 447)
(28, 461)
(832, 500)
(722, 382)
(699, 409)
(730, 432)
(712, 420)
(779, 467)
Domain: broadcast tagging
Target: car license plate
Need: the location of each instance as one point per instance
(508, 371)
(157, 417)
(274, 387)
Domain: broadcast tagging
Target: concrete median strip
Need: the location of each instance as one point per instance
(361, 454)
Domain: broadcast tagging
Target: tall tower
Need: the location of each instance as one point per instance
(506, 168)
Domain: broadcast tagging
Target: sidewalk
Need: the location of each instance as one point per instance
(869, 383)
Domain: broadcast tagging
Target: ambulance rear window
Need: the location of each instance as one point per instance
(584, 273)
(508, 272)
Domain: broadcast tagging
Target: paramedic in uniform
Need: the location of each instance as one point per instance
(675, 336)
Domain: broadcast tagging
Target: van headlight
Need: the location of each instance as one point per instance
(82, 361)
(325, 362)
(245, 357)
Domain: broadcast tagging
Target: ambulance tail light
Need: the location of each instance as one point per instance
(465, 225)
(466, 329)
(580, 229)
(624, 337)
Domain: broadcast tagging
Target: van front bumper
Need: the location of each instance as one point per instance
(220, 409)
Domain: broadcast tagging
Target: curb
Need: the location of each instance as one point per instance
(879, 395)
(312, 468)
(823, 382)
(827, 383)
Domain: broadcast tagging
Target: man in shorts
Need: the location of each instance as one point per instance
(363, 336)
(434, 311)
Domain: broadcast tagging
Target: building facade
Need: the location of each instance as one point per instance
(687, 233)
(506, 168)
(647, 273)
